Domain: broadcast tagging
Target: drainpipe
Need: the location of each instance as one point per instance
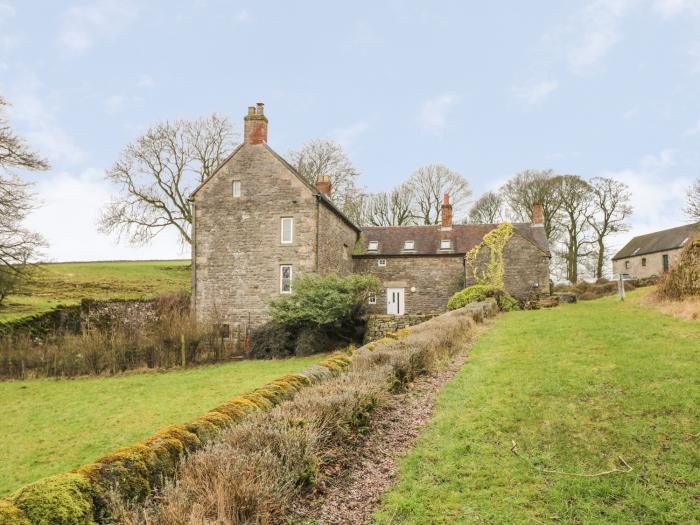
(318, 234)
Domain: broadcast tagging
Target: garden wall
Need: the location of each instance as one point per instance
(379, 325)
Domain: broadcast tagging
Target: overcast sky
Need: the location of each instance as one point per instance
(607, 87)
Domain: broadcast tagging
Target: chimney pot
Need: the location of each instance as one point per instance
(446, 212)
(323, 184)
(255, 125)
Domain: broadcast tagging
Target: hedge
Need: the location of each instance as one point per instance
(80, 497)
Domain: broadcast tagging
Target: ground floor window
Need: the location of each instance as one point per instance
(286, 278)
(644, 261)
(665, 262)
(372, 299)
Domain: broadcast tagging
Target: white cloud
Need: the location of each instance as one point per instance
(84, 25)
(78, 200)
(666, 158)
(535, 93)
(347, 135)
(432, 116)
(38, 122)
(671, 8)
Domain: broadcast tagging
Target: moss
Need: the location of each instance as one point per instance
(11, 515)
(403, 332)
(371, 346)
(127, 470)
(65, 499)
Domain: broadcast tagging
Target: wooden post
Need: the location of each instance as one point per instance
(621, 287)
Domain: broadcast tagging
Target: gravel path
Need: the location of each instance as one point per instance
(361, 470)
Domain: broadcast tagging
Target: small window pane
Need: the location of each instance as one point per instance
(287, 230)
(372, 298)
(381, 262)
(408, 245)
(373, 245)
(236, 188)
(286, 278)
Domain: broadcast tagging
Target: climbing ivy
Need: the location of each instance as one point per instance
(496, 241)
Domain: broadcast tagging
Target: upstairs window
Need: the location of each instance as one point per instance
(287, 230)
(373, 246)
(236, 188)
(409, 245)
(445, 244)
(286, 278)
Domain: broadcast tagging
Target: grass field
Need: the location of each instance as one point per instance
(575, 388)
(49, 426)
(68, 283)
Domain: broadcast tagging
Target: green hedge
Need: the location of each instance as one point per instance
(482, 292)
(79, 497)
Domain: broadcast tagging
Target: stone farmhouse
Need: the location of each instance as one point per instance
(258, 224)
(655, 253)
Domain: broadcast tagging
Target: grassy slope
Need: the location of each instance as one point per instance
(575, 387)
(49, 426)
(68, 283)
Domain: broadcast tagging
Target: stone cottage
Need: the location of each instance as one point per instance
(258, 224)
(654, 254)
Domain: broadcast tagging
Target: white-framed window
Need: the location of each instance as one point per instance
(372, 298)
(373, 246)
(381, 262)
(409, 245)
(287, 230)
(445, 244)
(286, 278)
(236, 188)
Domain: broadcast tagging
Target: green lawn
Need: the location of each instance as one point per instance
(68, 283)
(575, 387)
(49, 426)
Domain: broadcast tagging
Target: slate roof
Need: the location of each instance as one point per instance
(665, 240)
(427, 239)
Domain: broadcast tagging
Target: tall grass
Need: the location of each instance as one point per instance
(173, 339)
(253, 473)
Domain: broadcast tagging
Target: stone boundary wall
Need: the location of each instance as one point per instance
(379, 324)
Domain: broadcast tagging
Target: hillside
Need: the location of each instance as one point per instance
(67, 283)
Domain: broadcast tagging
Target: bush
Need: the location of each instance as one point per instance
(9, 281)
(272, 340)
(481, 292)
(683, 280)
(312, 340)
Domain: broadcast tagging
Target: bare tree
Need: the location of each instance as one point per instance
(328, 158)
(488, 209)
(610, 208)
(17, 244)
(530, 187)
(693, 207)
(157, 172)
(576, 200)
(429, 183)
(393, 208)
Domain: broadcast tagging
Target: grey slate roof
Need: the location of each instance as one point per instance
(661, 241)
(427, 239)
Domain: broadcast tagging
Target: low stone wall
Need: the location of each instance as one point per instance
(379, 325)
(103, 314)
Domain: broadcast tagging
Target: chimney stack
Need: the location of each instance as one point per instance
(323, 184)
(446, 212)
(537, 214)
(255, 125)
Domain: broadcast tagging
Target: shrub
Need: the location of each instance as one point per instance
(272, 340)
(324, 300)
(312, 340)
(683, 280)
(65, 499)
(9, 281)
(481, 292)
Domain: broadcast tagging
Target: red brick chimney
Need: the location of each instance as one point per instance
(537, 214)
(255, 125)
(323, 184)
(446, 212)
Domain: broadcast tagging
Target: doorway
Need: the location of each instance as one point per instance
(395, 301)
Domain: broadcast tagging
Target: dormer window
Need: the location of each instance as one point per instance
(409, 245)
(445, 244)
(373, 246)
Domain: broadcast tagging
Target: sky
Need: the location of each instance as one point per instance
(592, 88)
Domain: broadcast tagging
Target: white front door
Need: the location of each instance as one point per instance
(394, 301)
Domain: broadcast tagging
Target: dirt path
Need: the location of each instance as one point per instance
(358, 473)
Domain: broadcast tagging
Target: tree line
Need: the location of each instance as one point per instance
(155, 174)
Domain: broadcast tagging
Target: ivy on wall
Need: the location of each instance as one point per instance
(496, 241)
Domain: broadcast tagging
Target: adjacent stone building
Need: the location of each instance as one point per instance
(655, 253)
(258, 224)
